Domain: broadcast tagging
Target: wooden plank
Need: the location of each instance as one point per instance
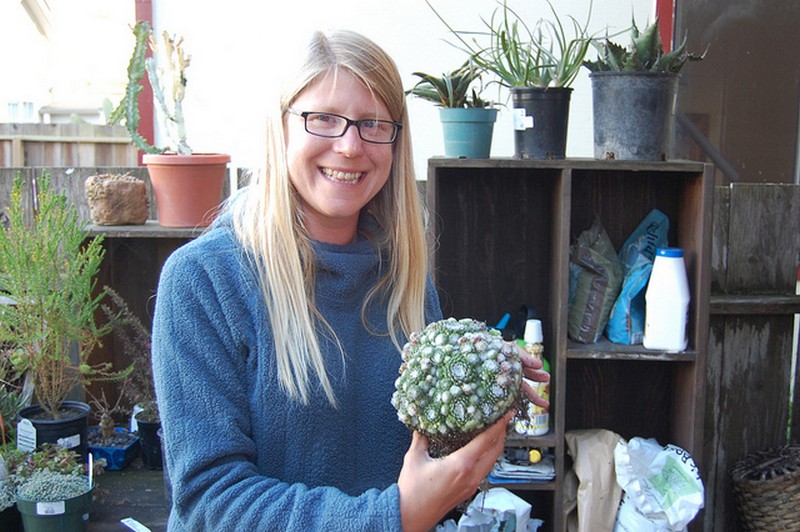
(755, 304)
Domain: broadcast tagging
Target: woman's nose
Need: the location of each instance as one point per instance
(349, 144)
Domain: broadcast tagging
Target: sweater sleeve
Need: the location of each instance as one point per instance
(199, 358)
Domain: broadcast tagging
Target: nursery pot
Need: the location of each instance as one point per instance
(467, 132)
(187, 188)
(11, 520)
(69, 432)
(150, 444)
(70, 515)
(540, 122)
(634, 114)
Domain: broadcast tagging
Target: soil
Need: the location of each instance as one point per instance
(122, 438)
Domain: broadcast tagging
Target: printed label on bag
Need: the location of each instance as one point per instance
(50, 508)
(26, 435)
(521, 120)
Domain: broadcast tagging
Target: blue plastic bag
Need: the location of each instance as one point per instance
(626, 320)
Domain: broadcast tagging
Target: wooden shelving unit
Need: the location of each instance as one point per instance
(502, 231)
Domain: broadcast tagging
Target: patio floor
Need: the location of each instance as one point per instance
(135, 492)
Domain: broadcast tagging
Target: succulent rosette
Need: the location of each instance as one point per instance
(457, 378)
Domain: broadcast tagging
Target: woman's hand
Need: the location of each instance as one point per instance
(532, 369)
(431, 487)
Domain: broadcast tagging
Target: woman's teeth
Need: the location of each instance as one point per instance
(342, 177)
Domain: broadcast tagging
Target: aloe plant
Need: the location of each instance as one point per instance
(644, 53)
(454, 89)
(547, 54)
(168, 81)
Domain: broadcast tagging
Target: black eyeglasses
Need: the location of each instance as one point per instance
(331, 126)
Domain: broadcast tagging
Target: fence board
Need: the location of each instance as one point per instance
(756, 238)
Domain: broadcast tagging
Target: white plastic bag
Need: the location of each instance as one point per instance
(662, 483)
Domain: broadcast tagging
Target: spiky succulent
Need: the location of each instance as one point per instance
(457, 378)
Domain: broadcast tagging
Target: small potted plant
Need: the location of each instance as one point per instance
(187, 185)
(52, 488)
(48, 268)
(538, 64)
(118, 446)
(634, 90)
(467, 119)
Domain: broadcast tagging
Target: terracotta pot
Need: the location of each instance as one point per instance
(187, 188)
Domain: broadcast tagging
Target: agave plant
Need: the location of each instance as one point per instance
(546, 54)
(451, 90)
(644, 53)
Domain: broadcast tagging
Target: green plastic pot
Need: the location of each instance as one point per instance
(70, 515)
(467, 132)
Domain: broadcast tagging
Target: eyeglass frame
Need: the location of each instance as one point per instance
(348, 122)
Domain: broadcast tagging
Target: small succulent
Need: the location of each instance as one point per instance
(457, 378)
(451, 90)
(644, 53)
(51, 486)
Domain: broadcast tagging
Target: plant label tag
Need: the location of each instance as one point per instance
(134, 525)
(69, 442)
(50, 508)
(26, 435)
(134, 423)
(521, 120)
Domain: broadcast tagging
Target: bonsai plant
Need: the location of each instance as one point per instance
(189, 194)
(467, 119)
(538, 64)
(48, 269)
(634, 90)
(118, 446)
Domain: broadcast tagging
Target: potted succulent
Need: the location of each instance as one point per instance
(118, 446)
(467, 119)
(48, 268)
(138, 387)
(52, 487)
(538, 64)
(187, 185)
(634, 90)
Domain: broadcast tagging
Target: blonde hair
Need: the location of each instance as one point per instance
(269, 223)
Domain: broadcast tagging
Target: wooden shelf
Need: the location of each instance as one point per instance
(149, 229)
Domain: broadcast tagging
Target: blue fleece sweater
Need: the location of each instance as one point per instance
(241, 455)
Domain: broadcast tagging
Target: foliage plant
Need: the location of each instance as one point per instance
(451, 90)
(644, 53)
(138, 388)
(49, 270)
(168, 80)
(548, 53)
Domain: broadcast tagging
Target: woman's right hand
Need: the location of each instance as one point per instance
(431, 487)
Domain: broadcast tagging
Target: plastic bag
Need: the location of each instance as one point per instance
(663, 488)
(626, 319)
(595, 279)
(495, 510)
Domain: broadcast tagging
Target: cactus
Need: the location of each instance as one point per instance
(171, 76)
(457, 378)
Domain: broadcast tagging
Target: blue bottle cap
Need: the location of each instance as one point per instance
(669, 252)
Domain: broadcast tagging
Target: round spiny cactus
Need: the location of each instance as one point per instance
(457, 378)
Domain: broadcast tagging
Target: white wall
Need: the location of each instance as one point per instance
(238, 48)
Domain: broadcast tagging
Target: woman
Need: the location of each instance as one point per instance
(277, 333)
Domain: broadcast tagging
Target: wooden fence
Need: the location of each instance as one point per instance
(756, 242)
(65, 145)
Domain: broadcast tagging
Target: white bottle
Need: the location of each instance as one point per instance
(539, 416)
(667, 303)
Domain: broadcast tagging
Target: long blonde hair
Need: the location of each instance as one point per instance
(269, 222)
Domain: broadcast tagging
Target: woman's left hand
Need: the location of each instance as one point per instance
(532, 369)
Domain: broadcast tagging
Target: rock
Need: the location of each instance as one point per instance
(117, 199)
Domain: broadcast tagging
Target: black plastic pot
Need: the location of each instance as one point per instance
(11, 520)
(150, 444)
(540, 122)
(634, 114)
(69, 432)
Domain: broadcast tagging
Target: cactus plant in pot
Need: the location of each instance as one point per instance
(48, 268)
(634, 90)
(467, 119)
(187, 185)
(538, 64)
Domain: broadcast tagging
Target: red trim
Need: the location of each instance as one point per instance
(144, 11)
(665, 11)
